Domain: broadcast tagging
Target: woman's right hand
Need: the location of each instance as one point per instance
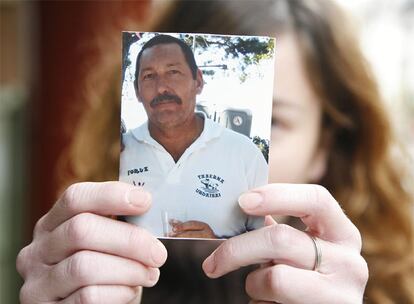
(79, 255)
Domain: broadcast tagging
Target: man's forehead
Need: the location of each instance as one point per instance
(165, 52)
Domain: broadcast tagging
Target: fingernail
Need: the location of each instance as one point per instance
(153, 274)
(138, 197)
(158, 253)
(209, 265)
(250, 200)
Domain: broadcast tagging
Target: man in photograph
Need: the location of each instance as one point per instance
(194, 168)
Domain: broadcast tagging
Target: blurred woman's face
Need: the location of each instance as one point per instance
(295, 154)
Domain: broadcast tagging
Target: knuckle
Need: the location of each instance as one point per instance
(21, 261)
(362, 272)
(353, 238)
(274, 280)
(29, 294)
(228, 251)
(278, 236)
(39, 226)
(73, 195)
(355, 266)
(321, 192)
(77, 228)
(78, 267)
(24, 294)
(136, 235)
(321, 199)
(69, 196)
(88, 295)
(356, 238)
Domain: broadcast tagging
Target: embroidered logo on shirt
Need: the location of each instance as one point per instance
(137, 170)
(210, 184)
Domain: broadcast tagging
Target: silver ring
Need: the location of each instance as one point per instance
(318, 253)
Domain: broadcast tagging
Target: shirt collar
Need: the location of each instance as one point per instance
(210, 131)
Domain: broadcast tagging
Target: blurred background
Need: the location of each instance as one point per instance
(46, 48)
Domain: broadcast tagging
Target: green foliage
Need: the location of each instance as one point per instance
(263, 145)
(247, 50)
(128, 38)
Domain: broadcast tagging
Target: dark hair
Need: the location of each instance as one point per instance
(165, 39)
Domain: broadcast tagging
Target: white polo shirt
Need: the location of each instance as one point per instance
(204, 184)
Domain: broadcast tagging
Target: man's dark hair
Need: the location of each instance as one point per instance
(165, 39)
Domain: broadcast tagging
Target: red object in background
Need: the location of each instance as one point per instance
(64, 29)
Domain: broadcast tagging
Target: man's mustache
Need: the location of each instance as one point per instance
(165, 98)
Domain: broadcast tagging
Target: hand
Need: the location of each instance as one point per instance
(191, 229)
(78, 255)
(287, 255)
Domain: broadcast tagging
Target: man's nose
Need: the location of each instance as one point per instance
(163, 85)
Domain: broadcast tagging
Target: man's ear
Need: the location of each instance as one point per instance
(137, 91)
(200, 81)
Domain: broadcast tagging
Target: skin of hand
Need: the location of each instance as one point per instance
(192, 229)
(287, 255)
(80, 255)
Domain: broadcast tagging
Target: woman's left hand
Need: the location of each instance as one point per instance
(288, 256)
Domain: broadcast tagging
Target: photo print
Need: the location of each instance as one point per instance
(195, 129)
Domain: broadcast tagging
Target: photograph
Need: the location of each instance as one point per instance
(195, 129)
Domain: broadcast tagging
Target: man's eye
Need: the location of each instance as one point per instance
(148, 76)
(173, 72)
